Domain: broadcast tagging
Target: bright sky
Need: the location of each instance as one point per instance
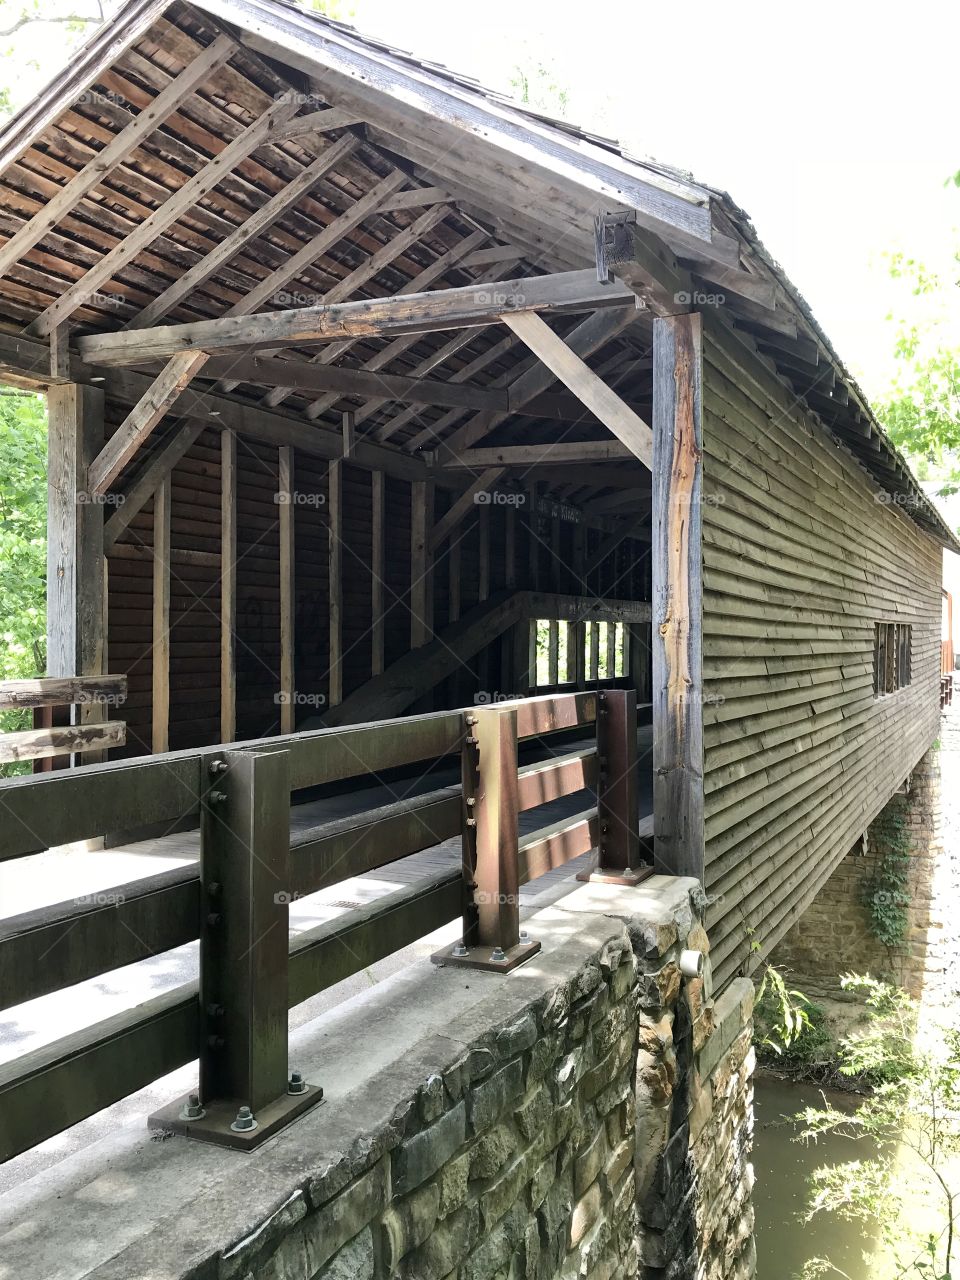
(834, 125)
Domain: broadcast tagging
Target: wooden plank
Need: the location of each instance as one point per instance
(285, 497)
(142, 490)
(142, 419)
(228, 586)
(172, 209)
(160, 648)
(125, 142)
(378, 565)
(374, 317)
(58, 692)
(335, 582)
(574, 373)
(316, 122)
(257, 222)
(677, 596)
(75, 560)
(467, 503)
(526, 455)
(34, 744)
(421, 563)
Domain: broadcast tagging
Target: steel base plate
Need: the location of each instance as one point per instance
(214, 1125)
(631, 876)
(481, 957)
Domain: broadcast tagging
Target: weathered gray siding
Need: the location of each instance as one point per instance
(800, 560)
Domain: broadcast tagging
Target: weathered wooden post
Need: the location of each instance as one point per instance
(245, 1092)
(491, 921)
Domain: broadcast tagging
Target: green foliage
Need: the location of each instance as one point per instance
(536, 86)
(781, 1017)
(884, 893)
(921, 411)
(915, 1108)
(23, 515)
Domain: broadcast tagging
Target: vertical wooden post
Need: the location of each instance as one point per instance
(160, 739)
(677, 596)
(378, 569)
(491, 922)
(287, 586)
(453, 564)
(228, 586)
(510, 548)
(75, 560)
(335, 582)
(421, 516)
(533, 535)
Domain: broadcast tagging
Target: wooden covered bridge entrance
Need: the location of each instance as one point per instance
(357, 377)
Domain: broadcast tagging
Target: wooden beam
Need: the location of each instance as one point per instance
(574, 373)
(421, 568)
(372, 317)
(285, 496)
(38, 744)
(75, 560)
(378, 568)
(160, 650)
(466, 503)
(678, 596)
(172, 209)
(335, 583)
(142, 490)
(302, 375)
(257, 222)
(228, 586)
(517, 455)
(15, 695)
(105, 161)
(142, 419)
(589, 336)
(316, 122)
(611, 542)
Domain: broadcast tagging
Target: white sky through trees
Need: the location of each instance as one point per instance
(835, 125)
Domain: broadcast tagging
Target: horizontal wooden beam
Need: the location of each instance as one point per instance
(532, 454)
(370, 317)
(37, 744)
(61, 691)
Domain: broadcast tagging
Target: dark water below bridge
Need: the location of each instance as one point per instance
(784, 1241)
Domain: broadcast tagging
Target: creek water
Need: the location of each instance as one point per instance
(781, 1166)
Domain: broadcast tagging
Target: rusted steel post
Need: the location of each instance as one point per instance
(491, 923)
(245, 1093)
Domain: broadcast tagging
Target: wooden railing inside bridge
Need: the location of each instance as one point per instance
(235, 1019)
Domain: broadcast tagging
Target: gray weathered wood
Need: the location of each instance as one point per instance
(678, 596)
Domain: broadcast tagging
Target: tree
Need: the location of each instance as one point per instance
(922, 409)
(23, 518)
(912, 1112)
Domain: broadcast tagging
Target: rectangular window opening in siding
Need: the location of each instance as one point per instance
(603, 652)
(892, 657)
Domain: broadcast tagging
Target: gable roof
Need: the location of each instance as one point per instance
(530, 184)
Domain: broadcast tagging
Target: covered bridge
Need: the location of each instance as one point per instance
(357, 373)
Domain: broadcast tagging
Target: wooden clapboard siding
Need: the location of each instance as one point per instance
(800, 558)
